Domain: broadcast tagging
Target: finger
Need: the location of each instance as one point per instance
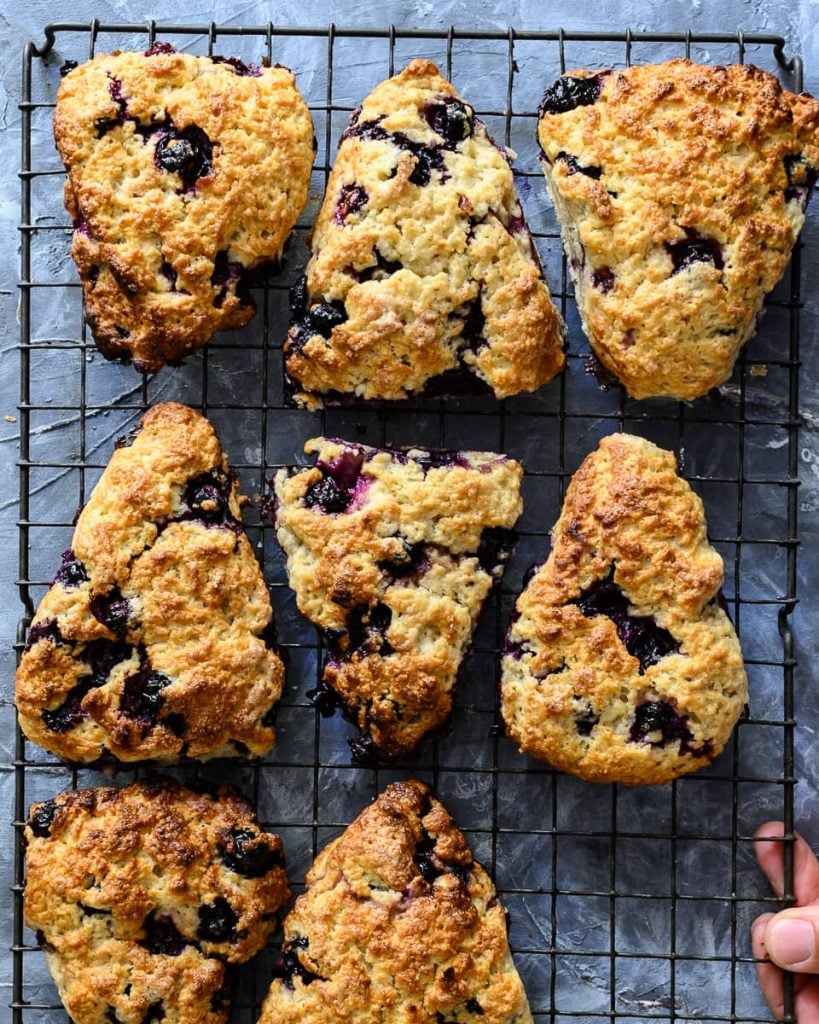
(791, 939)
(771, 980)
(770, 856)
(806, 999)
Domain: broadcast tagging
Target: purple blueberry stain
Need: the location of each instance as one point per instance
(217, 921)
(247, 853)
(641, 636)
(42, 819)
(319, 320)
(694, 248)
(351, 199)
(288, 964)
(102, 655)
(573, 166)
(603, 279)
(473, 1006)
(345, 469)
(72, 572)
(240, 67)
(159, 47)
(569, 92)
(661, 717)
(162, 937)
(112, 610)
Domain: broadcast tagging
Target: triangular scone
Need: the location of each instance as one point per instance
(423, 279)
(621, 664)
(144, 898)
(392, 554)
(185, 174)
(155, 639)
(681, 190)
(398, 924)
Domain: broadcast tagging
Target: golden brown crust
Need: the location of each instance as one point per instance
(399, 925)
(163, 252)
(421, 258)
(137, 902)
(396, 563)
(150, 644)
(718, 162)
(573, 693)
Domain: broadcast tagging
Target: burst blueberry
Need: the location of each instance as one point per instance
(248, 853)
(569, 92)
(217, 921)
(694, 248)
(162, 937)
(42, 819)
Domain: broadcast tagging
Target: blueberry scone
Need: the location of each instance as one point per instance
(155, 640)
(621, 664)
(399, 925)
(681, 190)
(423, 279)
(144, 898)
(392, 554)
(185, 174)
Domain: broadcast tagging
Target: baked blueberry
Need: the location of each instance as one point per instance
(351, 199)
(72, 572)
(250, 853)
(41, 817)
(570, 92)
(217, 921)
(694, 248)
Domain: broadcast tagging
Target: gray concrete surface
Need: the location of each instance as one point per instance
(702, 989)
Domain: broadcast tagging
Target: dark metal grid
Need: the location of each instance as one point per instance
(550, 956)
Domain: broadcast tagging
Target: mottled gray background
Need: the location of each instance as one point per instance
(314, 804)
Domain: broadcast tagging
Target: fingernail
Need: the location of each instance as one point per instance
(791, 941)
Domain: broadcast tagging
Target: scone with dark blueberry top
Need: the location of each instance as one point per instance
(621, 664)
(392, 554)
(145, 898)
(681, 190)
(185, 175)
(399, 924)
(423, 279)
(155, 640)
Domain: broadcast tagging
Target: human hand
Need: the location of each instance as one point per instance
(790, 938)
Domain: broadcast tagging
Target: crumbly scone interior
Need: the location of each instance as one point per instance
(620, 663)
(680, 190)
(143, 899)
(423, 278)
(393, 554)
(399, 923)
(155, 639)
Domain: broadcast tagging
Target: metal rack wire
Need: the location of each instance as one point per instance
(607, 919)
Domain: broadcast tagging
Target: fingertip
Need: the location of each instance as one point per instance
(770, 830)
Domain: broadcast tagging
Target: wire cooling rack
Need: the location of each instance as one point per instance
(624, 904)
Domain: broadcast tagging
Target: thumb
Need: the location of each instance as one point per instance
(791, 939)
